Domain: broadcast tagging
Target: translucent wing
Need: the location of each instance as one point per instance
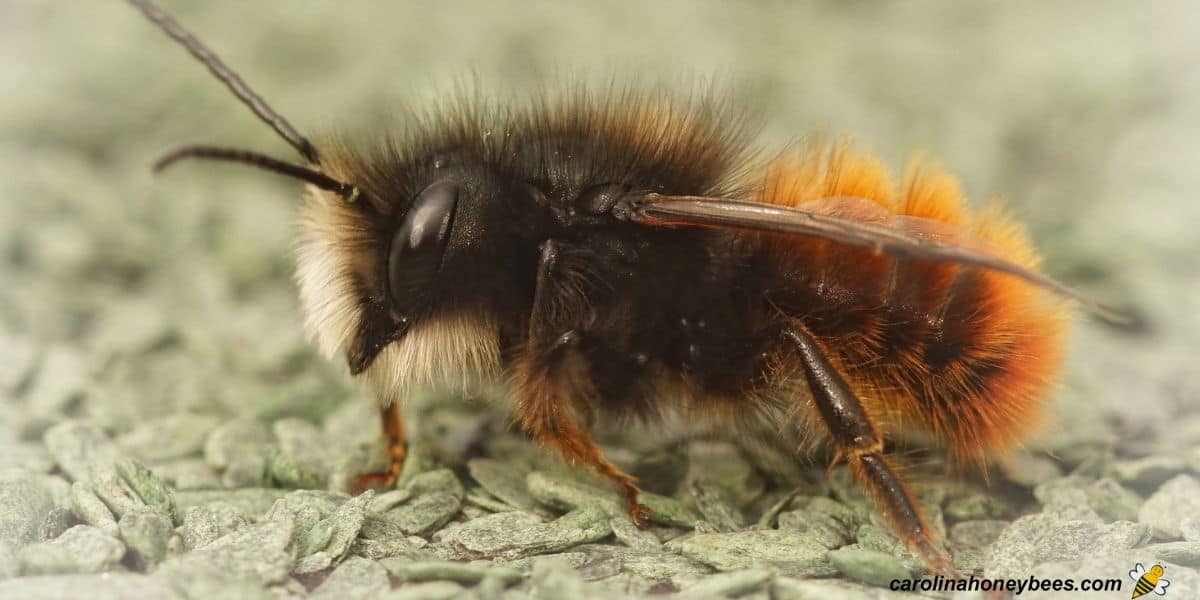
(846, 220)
(1137, 572)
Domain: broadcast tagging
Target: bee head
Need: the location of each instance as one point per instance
(394, 266)
(404, 278)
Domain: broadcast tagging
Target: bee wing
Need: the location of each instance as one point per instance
(847, 220)
(1161, 587)
(1138, 570)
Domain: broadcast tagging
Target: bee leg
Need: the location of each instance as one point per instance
(392, 419)
(858, 441)
(549, 381)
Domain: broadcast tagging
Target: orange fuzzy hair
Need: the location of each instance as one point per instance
(966, 354)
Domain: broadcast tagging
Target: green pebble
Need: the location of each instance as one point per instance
(149, 487)
(868, 566)
(449, 571)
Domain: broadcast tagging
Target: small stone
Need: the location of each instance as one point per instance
(174, 436)
(317, 561)
(188, 474)
(354, 579)
(868, 566)
(81, 549)
(1180, 553)
(115, 493)
(131, 327)
(1028, 470)
(437, 481)
(563, 493)
(1190, 527)
(246, 470)
(79, 448)
(634, 537)
(62, 379)
(526, 565)
(25, 503)
(286, 471)
(830, 523)
(383, 537)
(32, 458)
(434, 590)
(205, 524)
(252, 502)
(10, 565)
(478, 503)
(146, 532)
(789, 551)
(243, 437)
(734, 584)
(553, 579)
(1112, 501)
(449, 571)
(107, 585)
(426, 513)
(668, 511)
(655, 566)
(599, 565)
(55, 523)
(976, 534)
(91, 510)
(196, 581)
(18, 357)
(302, 446)
(974, 507)
(717, 509)
(256, 552)
(724, 466)
(770, 517)
(502, 480)
(345, 523)
(1176, 500)
(1067, 499)
(516, 534)
(149, 487)
(1043, 537)
(389, 500)
(1150, 472)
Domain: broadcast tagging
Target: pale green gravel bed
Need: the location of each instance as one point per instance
(167, 432)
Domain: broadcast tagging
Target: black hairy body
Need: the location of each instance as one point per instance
(685, 304)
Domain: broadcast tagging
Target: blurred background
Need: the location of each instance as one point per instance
(126, 297)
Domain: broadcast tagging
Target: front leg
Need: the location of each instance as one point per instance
(553, 378)
(857, 440)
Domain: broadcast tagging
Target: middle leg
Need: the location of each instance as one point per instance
(858, 442)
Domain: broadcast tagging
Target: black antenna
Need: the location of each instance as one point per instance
(230, 79)
(345, 190)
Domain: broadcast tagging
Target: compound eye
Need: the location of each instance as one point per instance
(419, 243)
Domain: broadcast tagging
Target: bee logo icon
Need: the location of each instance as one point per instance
(1148, 581)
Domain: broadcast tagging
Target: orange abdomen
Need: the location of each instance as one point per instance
(966, 354)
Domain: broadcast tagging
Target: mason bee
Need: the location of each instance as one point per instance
(630, 256)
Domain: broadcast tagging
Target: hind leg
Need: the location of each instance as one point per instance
(858, 442)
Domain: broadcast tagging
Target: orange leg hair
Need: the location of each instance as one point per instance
(859, 443)
(543, 404)
(392, 419)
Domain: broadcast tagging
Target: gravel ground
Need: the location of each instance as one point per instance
(167, 431)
